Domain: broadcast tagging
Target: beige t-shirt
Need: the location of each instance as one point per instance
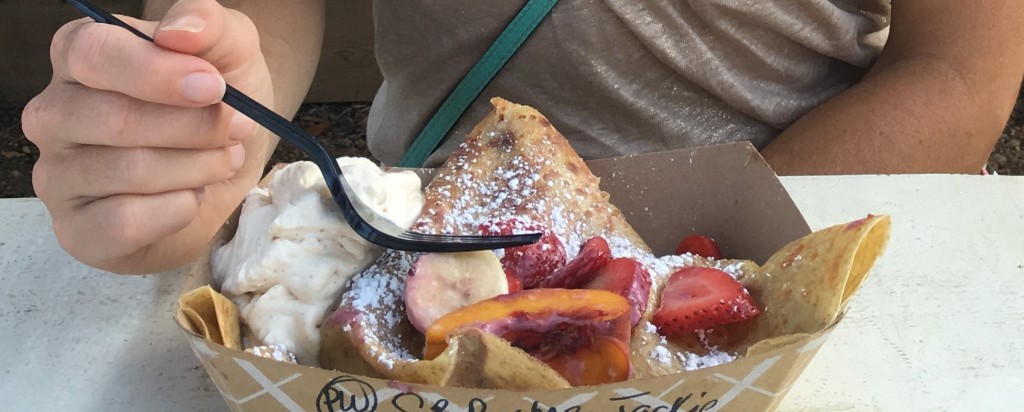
(626, 76)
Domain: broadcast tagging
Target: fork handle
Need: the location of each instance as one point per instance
(289, 132)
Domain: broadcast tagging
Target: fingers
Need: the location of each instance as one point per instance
(71, 114)
(131, 132)
(224, 37)
(119, 226)
(107, 57)
(91, 172)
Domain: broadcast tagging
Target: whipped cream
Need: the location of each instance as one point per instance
(293, 252)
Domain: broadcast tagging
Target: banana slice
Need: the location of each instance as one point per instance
(440, 283)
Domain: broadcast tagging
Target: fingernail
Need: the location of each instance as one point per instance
(190, 24)
(237, 156)
(241, 127)
(202, 87)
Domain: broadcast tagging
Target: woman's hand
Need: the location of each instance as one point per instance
(139, 162)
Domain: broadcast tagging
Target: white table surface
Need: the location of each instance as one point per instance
(939, 325)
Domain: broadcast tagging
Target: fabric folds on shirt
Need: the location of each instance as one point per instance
(626, 76)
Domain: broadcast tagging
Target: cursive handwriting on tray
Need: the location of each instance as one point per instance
(350, 394)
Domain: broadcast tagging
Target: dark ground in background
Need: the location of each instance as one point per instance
(341, 127)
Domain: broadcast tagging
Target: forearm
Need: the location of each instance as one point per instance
(935, 101)
(915, 116)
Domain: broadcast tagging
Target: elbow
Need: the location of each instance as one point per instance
(977, 119)
(969, 143)
(983, 124)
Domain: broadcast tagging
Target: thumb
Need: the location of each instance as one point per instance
(224, 37)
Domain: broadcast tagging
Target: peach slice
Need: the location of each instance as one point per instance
(581, 331)
(605, 360)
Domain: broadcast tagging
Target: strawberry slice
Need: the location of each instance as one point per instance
(530, 264)
(628, 278)
(699, 245)
(513, 282)
(701, 298)
(594, 254)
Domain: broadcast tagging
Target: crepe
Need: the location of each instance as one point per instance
(514, 164)
(212, 316)
(810, 281)
(485, 361)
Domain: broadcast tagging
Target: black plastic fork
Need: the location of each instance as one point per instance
(369, 224)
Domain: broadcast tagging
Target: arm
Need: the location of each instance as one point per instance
(934, 102)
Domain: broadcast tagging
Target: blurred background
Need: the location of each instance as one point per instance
(336, 107)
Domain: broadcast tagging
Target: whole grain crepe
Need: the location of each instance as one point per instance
(515, 164)
(211, 315)
(808, 284)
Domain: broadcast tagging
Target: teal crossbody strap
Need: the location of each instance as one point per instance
(478, 77)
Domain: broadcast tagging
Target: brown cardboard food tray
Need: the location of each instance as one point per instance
(726, 191)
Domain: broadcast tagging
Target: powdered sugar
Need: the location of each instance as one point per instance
(510, 192)
(277, 352)
(692, 361)
(661, 268)
(377, 293)
(688, 360)
(370, 288)
(662, 355)
(734, 270)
